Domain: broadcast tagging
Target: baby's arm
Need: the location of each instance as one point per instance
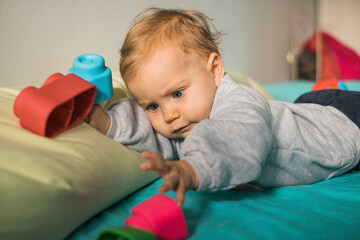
(178, 175)
(125, 122)
(98, 119)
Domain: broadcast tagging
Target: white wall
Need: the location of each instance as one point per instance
(41, 37)
(341, 18)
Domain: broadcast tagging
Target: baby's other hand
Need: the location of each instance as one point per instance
(178, 175)
(98, 119)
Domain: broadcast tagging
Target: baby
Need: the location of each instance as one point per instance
(225, 134)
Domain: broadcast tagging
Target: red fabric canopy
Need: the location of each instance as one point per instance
(338, 60)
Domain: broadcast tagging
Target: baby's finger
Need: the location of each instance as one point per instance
(180, 196)
(180, 193)
(170, 183)
(150, 155)
(155, 162)
(146, 166)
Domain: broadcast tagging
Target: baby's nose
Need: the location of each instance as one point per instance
(170, 114)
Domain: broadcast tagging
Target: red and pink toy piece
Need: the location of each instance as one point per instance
(161, 216)
(61, 103)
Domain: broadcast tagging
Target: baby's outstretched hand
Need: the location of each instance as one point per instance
(178, 175)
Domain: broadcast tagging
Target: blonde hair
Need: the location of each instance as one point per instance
(154, 27)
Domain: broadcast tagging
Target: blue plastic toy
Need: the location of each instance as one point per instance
(91, 67)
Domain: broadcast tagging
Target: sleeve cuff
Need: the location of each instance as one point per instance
(112, 129)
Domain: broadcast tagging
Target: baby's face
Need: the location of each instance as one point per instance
(175, 90)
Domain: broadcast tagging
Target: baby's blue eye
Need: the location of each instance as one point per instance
(178, 94)
(153, 107)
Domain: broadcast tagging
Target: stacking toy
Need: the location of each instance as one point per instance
(91, 67)
(329, 84)
(59, 104)
(159, 215)
(125, 233)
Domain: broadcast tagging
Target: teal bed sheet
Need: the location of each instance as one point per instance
(324, 210)
(291, 90)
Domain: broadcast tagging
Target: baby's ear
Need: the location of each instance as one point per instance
(216, 67)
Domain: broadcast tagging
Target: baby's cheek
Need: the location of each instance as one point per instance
(161, 128)
(200, 113)
(200, 107)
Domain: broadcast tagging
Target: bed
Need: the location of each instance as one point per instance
(78, 184)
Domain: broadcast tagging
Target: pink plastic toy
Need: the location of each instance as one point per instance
(161, 216)
(59, 104)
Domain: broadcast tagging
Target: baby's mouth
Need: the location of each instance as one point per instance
(182, 129)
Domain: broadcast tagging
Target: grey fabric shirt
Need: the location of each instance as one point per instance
(249, 139)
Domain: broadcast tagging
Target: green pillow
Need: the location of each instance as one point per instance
(50, 186)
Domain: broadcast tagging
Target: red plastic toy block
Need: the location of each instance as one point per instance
(161, 216)
(61, 103)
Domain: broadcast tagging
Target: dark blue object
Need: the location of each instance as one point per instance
(347, 102)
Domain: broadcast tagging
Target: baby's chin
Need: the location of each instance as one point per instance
(175, 136)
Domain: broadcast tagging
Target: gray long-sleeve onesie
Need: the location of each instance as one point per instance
(249, 139)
